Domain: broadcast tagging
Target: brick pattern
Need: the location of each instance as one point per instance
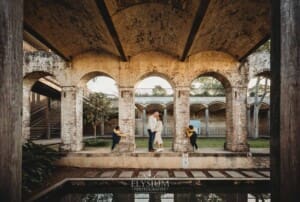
(71, 134)
(126, 120)
(182, 117)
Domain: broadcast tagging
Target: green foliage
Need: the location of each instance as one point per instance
(37, 165)
(205, 142)
(159, 91)
(265, 47)
(97, 109)
(207, 86)
(97, 143)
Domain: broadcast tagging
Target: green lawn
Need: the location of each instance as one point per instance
(202, 142)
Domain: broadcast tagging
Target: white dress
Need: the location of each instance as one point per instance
(159, 129)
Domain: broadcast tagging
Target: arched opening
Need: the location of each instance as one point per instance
(41, 106)
(100, 105)
(259, 111)
(208, 105)
(154, 93)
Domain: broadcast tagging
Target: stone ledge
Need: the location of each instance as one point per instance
(166, 160)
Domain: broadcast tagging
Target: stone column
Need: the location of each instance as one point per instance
(249, 120)
(182, 118)
(144, 118)
(268, 119)
(11, 55)
(165, 120)
(71, 118)
(236, 119)
(206, 121)
(26, 108)
(126, 119)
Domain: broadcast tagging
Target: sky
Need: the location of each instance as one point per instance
(107, 85)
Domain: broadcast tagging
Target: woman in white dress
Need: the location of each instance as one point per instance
(158, 140)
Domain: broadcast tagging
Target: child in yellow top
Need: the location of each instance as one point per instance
(116, 137)
(190, 133)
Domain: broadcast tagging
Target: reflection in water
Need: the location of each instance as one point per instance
(165, 197)
(176, 191)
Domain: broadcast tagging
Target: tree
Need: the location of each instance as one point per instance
(207, 86)
(97, 109)
(159, 91)
(265, 47)
(259, 95)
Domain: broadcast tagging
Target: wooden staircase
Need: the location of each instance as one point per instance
(45, 121)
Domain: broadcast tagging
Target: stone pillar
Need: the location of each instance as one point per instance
(26, 108)
(285, 97)
(249, 120)
(11, 57)
(182, 118)
(165, 121)
(71, 118)
(144, 118)
(126, 119)
(236, 119)
(268, 119)
(206, 121)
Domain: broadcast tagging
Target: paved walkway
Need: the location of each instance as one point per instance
(168, 150)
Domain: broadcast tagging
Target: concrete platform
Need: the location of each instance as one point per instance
(203, 159)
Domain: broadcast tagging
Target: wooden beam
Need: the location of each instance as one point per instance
(195, 27)
(34, 42)
(40, 38)
(285, 110)
(111, 28)
(255, 47)
(275, 103)
(11, 76)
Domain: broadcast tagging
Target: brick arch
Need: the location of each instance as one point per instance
(30, 78)
(216, 103)
(218, 64)
(91, 64)
(199, 106)
(157, 64)
(40, 63)
(217, 75)
(157, 74)
(90, 75)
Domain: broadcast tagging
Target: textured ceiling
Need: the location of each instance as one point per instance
(71, 26)
(233, 26)
(128, 27)
(154, 26)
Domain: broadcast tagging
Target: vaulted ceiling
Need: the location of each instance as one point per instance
(126, 28)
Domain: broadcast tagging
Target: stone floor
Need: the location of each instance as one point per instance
(168, 150)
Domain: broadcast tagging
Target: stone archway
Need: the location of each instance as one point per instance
(29, 80)
(155, 102)
(72, 111)
(236, 119)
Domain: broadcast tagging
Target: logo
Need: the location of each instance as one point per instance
(149, 184)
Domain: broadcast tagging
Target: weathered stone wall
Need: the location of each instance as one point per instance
(127, 74)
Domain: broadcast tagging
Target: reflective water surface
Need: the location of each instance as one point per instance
(163, 192)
